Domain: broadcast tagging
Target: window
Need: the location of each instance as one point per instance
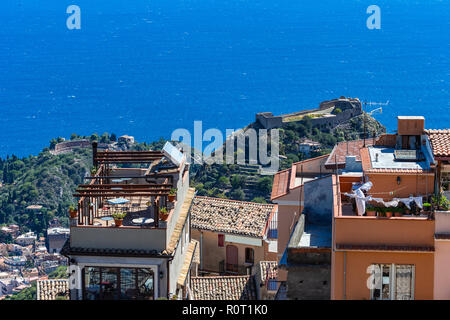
(221, 240)
(249, 255)
(272, 284)
(392, 282)
(118, 283)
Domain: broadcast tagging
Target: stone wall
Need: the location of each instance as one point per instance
(350, 108)
(268, 120)
(309, 269)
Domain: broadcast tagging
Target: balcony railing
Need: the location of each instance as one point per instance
(225, 268)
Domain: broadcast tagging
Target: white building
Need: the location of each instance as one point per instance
(26, 238)
(151, 254)
(56, 237)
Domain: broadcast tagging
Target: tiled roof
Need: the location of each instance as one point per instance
(440, 141)
(384, 248)
(50, 289)
(193, 246)
(344, 149)
(181, 221)
(269, 269)
(223, 288)
(280, 185)
(230, 216)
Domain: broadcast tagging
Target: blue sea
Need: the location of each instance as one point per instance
(147, 67)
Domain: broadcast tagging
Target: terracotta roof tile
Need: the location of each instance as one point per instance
(223, 288)
(344, 149)
(50, 289)
(189, 258)
(440, 141)
(268, 269)
(280, 185)
(181, 221)
(230, 216)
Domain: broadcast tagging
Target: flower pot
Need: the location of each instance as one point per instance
(163, 216)
(388, 214)
(171, 197)
(398, 214)
(371, 213)
(118, 223)
(73, 214)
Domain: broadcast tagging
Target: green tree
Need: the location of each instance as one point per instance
(237, 194)
(259, 200)
(223, 182)
(264, 184)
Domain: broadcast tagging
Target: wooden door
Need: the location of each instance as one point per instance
(232, 258)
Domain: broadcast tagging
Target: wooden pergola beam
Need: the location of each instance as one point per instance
(128, 186)
(128, 195)
(129, 152)
(121, 190)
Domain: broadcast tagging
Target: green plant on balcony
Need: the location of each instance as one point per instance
(381, 211)
(73, 211)
(163, 214)
(172, 194)
(389, 211)
(427, 206)
(398, 211)
(441, 202)
(371, 210)
(118, 218)
(93, 170)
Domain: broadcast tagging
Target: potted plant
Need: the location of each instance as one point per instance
(172, 194)
(118, 218)
(427, 206)
(441, 202)
(381, 212)
(371, 211)
(73, 211)
(398, 212)
(93, 171)
(389, 211)
(163, 214)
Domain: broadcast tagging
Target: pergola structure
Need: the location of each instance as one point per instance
(94, 195)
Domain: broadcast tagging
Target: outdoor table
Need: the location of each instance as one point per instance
(107, 219)
(118, 201)
(142, 220)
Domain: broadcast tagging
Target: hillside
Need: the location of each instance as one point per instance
(245, 182)
(47, 180)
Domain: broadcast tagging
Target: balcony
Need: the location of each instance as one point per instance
(407, 232)
(123, 238)
(235, 269)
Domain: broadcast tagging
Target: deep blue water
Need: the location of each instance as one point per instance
(145, 68)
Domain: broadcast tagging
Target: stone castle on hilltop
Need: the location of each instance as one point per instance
(330, 113)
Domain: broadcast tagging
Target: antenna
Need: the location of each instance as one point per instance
(380, 109)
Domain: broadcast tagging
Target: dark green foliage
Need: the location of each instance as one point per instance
(59, 273)
(48, 180)
(25, 294)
